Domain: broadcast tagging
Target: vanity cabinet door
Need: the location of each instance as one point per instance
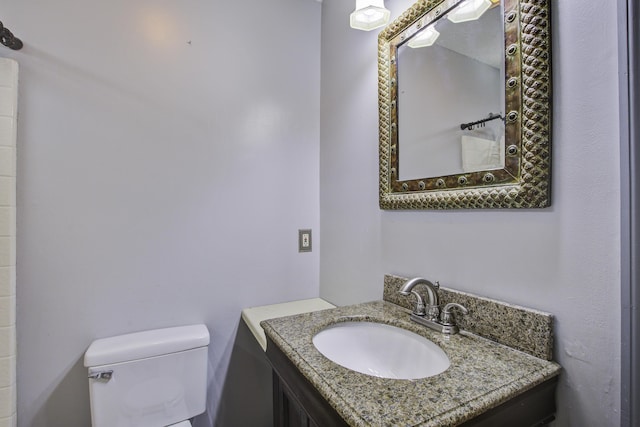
(296, 402)
(288, 412)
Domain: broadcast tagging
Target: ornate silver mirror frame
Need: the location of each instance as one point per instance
(525, 180)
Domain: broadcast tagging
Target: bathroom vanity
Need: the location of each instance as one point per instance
(487, 383)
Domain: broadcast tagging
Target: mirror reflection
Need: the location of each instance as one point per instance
(451, 98)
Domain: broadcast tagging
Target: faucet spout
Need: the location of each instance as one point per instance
(432, 295)
(431, 318)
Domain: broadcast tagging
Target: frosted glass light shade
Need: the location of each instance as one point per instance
(469, 10)
(424, 38)
(369, 14)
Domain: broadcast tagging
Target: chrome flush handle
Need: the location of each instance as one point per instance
(101, 376)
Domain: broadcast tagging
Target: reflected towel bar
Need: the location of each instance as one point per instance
(471, 125)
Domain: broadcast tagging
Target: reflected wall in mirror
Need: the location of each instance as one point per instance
(467, 62)
(464, 92)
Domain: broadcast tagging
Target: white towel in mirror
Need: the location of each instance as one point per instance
(482, 154)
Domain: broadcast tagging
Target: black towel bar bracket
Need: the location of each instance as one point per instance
(480, 123)
(8, 39)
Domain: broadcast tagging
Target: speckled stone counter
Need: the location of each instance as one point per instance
(522, 328)
(482, 375)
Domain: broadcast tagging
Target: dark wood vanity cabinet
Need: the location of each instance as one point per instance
(290, 412)
(296, 402)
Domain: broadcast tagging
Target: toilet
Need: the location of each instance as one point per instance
(154, 378)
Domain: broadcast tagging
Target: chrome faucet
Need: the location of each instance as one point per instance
(432, 296)
(431, 317)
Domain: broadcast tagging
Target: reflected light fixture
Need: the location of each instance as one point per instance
(369, 14)
(470, 10)
(424, 38)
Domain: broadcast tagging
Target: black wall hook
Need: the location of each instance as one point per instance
(8, 39)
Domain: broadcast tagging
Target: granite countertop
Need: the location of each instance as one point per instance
(482, 375)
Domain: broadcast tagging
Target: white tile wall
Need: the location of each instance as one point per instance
(8, 117)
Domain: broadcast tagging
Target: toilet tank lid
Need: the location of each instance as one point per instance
(140, 345)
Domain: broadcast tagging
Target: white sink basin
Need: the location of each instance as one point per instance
(381, 350)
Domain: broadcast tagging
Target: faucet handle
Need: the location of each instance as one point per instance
(446, 312)
(420, 309)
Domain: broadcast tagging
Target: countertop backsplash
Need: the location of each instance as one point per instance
(524, 329)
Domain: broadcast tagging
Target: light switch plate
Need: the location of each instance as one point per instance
(304, 240)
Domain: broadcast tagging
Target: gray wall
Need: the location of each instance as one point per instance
(564, 259)
(629, 70)
(168, 153)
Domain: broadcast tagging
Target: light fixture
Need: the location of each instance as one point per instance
(469, 10)
(424, 38)
(369, 14)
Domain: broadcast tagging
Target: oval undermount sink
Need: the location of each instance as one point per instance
(381, 350)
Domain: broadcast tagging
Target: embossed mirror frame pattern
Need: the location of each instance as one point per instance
(525, 181)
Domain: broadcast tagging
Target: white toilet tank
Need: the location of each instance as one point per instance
(148, 379)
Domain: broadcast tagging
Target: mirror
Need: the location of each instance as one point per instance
(464, 90)
(466, 59)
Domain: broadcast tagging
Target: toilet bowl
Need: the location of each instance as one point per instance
(153, 378)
